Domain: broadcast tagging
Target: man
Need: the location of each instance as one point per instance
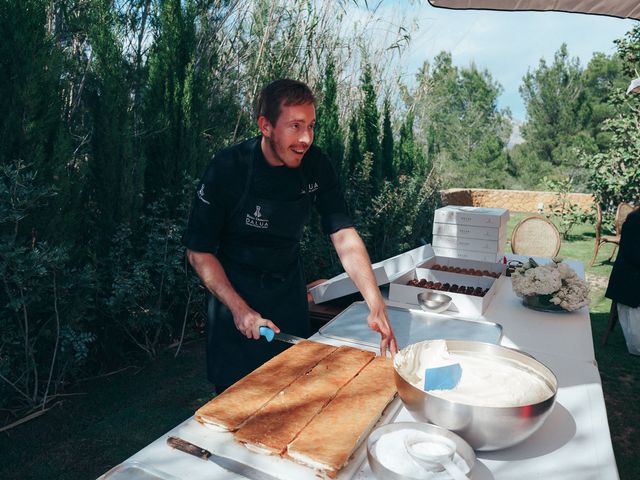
(243, 237)
(624, 283)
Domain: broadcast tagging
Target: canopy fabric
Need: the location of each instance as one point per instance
(613, 8)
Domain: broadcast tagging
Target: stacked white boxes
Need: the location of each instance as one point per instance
(471, 233)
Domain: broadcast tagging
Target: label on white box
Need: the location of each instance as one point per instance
(468, 254)
(474, 216)
(466, 231)
(474, 244)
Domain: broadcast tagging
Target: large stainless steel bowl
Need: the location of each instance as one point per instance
(484, 428)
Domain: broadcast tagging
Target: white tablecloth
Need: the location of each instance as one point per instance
(573, 443)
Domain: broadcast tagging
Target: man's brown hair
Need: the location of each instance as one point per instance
(282, 92)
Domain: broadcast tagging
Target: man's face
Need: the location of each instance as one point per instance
(286, 142)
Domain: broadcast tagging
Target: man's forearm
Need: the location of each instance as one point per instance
(212, 274)
(355, 260)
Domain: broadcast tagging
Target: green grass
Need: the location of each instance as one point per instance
(109, 420)
(113, 417)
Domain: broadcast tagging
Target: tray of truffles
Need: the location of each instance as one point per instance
(464, 267)
(448, 287)
(471, 291)
(304, 414)
(465, 271)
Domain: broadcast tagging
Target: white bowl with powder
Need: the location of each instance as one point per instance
(389, 458)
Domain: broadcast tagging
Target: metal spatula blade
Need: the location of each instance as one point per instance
(269, 334)
(442, 378)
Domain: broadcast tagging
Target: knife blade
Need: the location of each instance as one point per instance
(229, 464)
(270, 335)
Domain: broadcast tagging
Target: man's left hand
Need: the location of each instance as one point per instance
(379, 322)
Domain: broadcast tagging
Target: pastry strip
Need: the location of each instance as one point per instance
(275, 425)
(328, 441)
(230, 409)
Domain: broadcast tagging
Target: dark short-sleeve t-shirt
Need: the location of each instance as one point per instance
(227, 177)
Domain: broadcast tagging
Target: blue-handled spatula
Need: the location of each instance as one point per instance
(269, 334)
(442, 378)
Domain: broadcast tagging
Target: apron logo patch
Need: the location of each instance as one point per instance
(313, 187)
(256, 219)
(201, 195)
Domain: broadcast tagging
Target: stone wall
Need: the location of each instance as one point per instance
(514, 200)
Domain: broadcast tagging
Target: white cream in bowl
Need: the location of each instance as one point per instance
(486, 381)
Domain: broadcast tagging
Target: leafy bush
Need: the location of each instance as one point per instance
(152, 288)
(568, 214)
(45, 312)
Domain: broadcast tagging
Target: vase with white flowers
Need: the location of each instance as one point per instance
(551, 287)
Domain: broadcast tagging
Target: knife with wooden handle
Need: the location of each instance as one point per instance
(229, 464)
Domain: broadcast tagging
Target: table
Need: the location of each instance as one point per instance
(573, 443)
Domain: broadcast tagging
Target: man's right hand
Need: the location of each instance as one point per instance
(248, 322)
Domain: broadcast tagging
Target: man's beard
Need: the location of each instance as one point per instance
(272, 145)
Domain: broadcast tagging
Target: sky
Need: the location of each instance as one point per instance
(508, 44)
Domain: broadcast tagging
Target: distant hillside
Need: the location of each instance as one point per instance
(516, 137)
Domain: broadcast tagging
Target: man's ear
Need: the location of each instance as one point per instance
(264, 125)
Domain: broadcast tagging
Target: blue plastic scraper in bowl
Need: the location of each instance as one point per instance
(442, 378)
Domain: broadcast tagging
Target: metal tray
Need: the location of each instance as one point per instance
(132, 470)
(410, 326)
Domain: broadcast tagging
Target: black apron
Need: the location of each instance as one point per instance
(269, 278)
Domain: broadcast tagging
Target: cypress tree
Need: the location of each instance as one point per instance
(387, 143)
(113, 171)
(329, 135)
(410, 158)
(168, 103)
(354, 155)
(405, 152)
(370, 124)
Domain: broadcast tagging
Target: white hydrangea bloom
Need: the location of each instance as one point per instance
(566, 272)
(573, 295)
(536, 281)
(558, 279)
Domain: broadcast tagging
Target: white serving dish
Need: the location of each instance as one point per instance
(399, 291)
(384, 271)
